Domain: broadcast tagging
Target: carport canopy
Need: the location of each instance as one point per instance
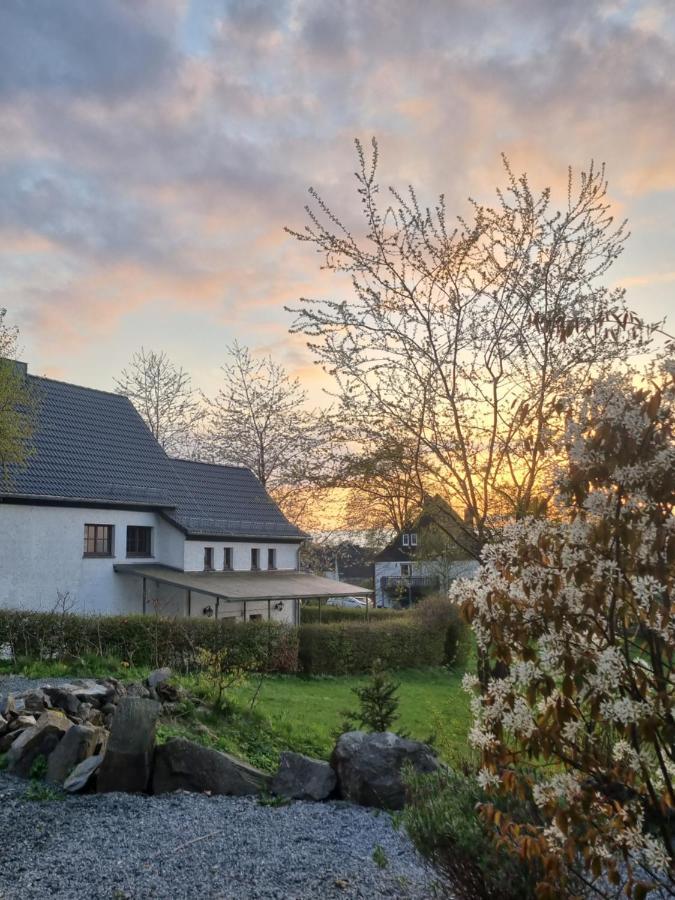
(243, 586)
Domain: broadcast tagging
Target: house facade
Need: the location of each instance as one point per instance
(425, 556)
(102, 521)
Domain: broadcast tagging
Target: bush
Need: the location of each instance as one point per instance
(441, 818)
(438, 613)
(309, 614)
(148, 640)
(350, 648)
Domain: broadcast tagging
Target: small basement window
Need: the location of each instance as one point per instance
(227, 559)
(406, 570)
(255, 617)
(208, 559)
(139, 540)
(271, 559)
(98, 540)
(255, 559)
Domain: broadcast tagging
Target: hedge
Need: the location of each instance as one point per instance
(350, 648)
(148, 640)
(310, 614)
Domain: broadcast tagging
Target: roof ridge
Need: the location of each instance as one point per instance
(80, 387)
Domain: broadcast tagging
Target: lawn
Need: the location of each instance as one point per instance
(294, 712)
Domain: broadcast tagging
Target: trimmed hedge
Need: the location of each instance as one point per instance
(148, 640)
(309, 614)
(350, 648)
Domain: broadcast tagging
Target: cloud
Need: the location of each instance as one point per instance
(152, 152)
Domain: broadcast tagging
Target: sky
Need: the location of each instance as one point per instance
(152, 151)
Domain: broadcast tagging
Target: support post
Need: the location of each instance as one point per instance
(189, 603)
(145, 595)
(367, 608)
(245, 611)
(269, 610)
(217, 605)
(319, 610)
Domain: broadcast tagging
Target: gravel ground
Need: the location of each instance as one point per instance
(118, 846)
(129, 847)
(15, 684)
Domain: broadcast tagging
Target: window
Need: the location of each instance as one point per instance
(98, 540)
(227, 559)
(208, 559)
(406, 540)
(255, 559)
(413, 539)
(271, 559)
(406, 570)
(255, 617)
(139, 540)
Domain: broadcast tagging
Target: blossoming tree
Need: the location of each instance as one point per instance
(575, 615)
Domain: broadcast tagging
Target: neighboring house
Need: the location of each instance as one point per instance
(425, 556)
(101, 520)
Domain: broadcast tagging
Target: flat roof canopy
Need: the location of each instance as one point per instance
(234, 586)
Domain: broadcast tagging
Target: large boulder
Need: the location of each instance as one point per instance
(40, 740)
(368, 767)
(159, 676)
(82, 775)
(128, 759)
(79, 743)
(34, 701)
(182, 765)
(303, 778)
(97, 693)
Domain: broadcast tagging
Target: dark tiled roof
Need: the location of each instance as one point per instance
(93, 446)
(437, 514)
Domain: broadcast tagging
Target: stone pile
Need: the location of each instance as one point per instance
(100, 735)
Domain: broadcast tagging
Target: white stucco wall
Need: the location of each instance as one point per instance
(41, 554)
(464, 568)
(287, 555)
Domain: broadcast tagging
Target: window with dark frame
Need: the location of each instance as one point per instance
(406, 570)
(208, 559)
(271, 559)
(139, 540)
(413, 539)
(255, 559)
(98, 540)
(227, 559)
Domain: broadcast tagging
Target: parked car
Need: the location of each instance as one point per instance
(349, 602)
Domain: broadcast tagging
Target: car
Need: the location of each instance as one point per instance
(349, 602)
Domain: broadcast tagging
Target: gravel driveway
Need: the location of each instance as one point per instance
(177, 846)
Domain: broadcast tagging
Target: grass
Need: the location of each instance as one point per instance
(292, 712)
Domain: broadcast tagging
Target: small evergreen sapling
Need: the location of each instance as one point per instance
(378, 699)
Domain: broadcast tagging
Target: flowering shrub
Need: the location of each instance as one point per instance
(574, 616)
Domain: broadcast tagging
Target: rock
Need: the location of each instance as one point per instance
(40, 740)
(95, 717)
(8, 739)
(159, 676)
(11, 705)
(108, 709)
(98, 693)
(182, 765)
(135, 689)
(79, 743)
(82, 774)
(128, 759)
(303, 778)
(4, 725)
(368, 767)
(21, 722)
(63, 699)
(34, 701)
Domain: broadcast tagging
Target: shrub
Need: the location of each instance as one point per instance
(149, 640)
(350, 648)
(575, 618)
(438, 613)
(309, 614)
(441, 818)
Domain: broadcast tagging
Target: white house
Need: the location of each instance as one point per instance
(425, 556)
(102, 517)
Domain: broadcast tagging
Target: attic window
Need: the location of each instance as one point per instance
(98, 540)
(413, 539)
(208, 559)
(406, 539)
(227, 559)
(255, 559)
(271, 558)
